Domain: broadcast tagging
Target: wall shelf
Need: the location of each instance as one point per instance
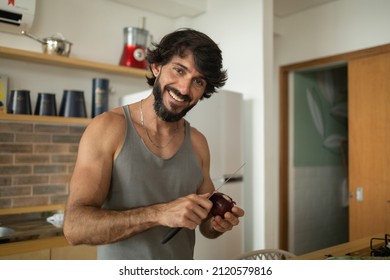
(45, 119)
(32, 209)
(69, 62)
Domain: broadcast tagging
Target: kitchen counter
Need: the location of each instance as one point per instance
(31, 230)
(358, 249)
(34, 238)
(29, 226)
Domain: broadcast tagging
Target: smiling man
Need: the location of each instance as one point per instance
(142, 169)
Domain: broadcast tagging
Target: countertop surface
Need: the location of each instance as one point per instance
(357, 249)
(29, 226)
(32, 231)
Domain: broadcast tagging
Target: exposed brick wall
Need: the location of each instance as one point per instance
(36, 162)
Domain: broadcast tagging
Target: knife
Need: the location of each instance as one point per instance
(173, 231)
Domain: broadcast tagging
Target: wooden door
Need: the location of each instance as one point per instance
(369, 145)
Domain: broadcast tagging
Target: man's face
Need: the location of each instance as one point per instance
(178, 88)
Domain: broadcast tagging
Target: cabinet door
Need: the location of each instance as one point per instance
(36, 255)
(369, 145)
(81, 252)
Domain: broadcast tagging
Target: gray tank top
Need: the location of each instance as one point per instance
(140, 178)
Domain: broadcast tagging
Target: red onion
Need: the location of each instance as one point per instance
(222, 203)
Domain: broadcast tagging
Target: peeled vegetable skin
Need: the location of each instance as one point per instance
(222, 203)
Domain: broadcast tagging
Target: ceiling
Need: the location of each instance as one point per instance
(169, 8)
(283, 8)
(192, 8)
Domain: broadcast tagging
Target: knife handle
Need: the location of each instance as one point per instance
(171, 233)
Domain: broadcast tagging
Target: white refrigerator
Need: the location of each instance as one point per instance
(220, 119)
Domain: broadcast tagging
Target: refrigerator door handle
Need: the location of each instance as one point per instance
(234, 179)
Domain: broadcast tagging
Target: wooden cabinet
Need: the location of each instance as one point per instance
(81, 252)
(55, 248)
(35, 255)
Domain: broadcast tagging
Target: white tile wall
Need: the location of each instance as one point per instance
(320, 218)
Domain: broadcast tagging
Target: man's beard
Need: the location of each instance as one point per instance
(161, 110)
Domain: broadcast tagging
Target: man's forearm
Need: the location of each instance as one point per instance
(94, 226)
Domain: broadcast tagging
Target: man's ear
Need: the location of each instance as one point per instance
(156, 68)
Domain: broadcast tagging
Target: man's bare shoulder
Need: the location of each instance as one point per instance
(197, 136)
(108, 125)
(111, 119)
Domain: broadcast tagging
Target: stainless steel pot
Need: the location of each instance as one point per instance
(55, 45)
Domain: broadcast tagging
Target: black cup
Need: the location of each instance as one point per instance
(73, 104)
(46, 105)
(19, 102)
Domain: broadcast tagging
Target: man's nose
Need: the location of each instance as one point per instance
(185, 86)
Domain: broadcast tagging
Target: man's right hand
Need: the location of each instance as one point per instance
(187, 212)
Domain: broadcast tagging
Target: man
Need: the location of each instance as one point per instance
(141, 169)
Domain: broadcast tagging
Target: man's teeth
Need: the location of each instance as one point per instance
(174, 96)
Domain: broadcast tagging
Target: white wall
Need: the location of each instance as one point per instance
(334, 28)
(94, 26)
(244, 33)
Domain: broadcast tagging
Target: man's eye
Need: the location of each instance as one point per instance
(178, 70)
(199, 82)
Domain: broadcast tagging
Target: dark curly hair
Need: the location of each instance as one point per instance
(207, 56)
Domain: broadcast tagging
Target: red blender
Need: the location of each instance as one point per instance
(134, 50)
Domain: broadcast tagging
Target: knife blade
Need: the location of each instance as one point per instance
(173, 231)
